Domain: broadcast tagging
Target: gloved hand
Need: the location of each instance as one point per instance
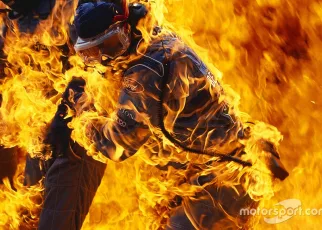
(74, 91)
(273, 160)
(58, 135)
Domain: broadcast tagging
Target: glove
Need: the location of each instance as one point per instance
(58, 136)
(73, 92)
(274, 162)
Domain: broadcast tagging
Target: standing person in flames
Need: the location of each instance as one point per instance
(27, 14)
(166, 84)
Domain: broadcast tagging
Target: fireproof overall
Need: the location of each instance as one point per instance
(193, 97)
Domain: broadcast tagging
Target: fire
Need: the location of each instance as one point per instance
(264, 54)
(33, 76)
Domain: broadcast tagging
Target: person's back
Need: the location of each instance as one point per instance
(195, 112)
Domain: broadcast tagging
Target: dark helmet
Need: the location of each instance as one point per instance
(109, 12)
(102, 30)
(93, 18)
(41, 8)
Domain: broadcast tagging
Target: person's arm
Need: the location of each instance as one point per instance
(121, 135)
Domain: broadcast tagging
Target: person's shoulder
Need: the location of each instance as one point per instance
(176, 50)
(167, 39)
(166, 42)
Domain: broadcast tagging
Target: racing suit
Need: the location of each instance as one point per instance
(191, 102)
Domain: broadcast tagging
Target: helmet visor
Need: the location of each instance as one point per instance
(89, 55)
(111, 44)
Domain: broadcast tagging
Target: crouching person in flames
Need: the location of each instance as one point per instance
(170, 104)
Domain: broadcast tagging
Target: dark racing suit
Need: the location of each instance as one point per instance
(190, 101)
(27, 23)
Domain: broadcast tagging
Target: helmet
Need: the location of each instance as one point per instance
(19, 8)
(102, 30)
